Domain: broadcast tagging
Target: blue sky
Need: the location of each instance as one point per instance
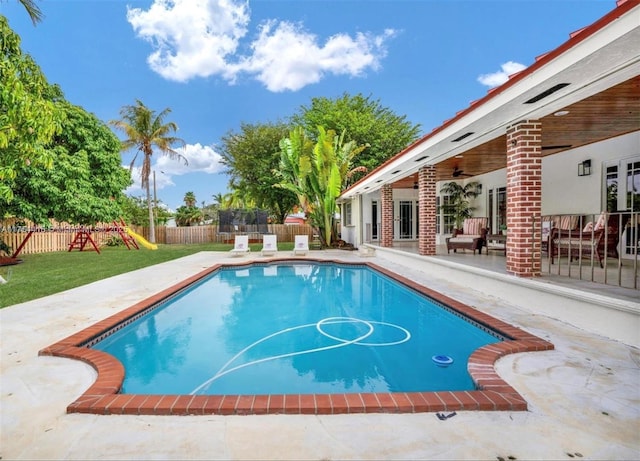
(218, 63)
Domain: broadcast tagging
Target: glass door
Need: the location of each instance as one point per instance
(622, 195)
(497, 207)
(405, 219)
(405, 230)
(374, 220)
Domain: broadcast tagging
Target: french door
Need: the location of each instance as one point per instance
(622, 194)
(405, 222)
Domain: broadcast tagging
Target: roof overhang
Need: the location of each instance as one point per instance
(594, 76)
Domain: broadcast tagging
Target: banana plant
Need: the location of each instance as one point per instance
(317, 173)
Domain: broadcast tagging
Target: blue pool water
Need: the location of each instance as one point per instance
(296, 329)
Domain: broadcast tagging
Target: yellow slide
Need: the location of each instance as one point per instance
(142, 240)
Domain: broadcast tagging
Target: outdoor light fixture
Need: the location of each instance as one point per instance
(584, 168)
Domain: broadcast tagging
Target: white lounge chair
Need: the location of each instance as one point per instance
(241, 245)
(301, 245)
(269, 245)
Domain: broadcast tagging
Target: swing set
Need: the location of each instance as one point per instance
(83, 238)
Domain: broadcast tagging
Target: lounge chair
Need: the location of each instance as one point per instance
(241, 245)
(269, 245)
(472, 236)
(301, 245)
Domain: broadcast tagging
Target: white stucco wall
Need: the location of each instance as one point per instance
(564, 192)
(350, 232)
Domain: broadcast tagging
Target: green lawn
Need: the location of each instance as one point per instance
(48, 273)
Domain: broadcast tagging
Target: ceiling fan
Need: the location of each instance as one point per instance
(457, 172)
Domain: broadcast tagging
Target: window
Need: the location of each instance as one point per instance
(611, 187)
(445, 223)
(622, 185)
(497, 207)
(346, 210)
(633, 186)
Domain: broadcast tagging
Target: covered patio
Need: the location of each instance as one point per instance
(558, 138)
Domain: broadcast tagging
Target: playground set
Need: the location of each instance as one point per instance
(83, 238)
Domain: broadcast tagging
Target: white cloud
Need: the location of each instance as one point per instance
(203, 159)
(498, 78)
(192, 38)
(135, 189)
(200, 158)
(285, 57)
(201, 38)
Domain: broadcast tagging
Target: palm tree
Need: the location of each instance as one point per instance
(188, 215)
(190, 199)
(458, 204)
(33, 10)
(145, 130)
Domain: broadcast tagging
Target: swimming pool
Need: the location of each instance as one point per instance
(297, 328)
(489, 391)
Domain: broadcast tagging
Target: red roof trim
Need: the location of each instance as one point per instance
(622, 7)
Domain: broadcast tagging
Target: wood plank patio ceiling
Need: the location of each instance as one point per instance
(611, 113)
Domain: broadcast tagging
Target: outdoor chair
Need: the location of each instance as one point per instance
(269, 245)
(472, 236)
(556, 223)
(241, 245)
(301, 245)
(594, 240)
(616, 223)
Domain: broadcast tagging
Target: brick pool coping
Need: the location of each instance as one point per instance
(492, 392)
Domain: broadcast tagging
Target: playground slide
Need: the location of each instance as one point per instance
(142, 240)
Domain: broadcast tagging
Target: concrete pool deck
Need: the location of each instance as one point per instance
(583, 397)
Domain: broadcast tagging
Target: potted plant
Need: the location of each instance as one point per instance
(458, 205)
(503, 229)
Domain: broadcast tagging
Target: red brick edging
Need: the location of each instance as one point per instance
(492, 394)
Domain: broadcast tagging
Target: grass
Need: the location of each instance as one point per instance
(49, 273)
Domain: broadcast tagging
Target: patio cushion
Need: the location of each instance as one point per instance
(575, 242)
(568, 222)
(465, 239)
(473, 226)
(602, 219)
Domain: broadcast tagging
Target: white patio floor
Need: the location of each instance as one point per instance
(584, 398)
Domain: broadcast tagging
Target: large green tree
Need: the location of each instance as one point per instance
(146, 130)
(86, 182)
(317, 172)
(29, 115)
(251, 155)
(363, 120)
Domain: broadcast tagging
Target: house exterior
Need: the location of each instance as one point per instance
(560, 137)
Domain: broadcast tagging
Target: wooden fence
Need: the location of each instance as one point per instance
(59, 237)
(210, 234)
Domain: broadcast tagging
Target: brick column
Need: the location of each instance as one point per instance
(427, 210)
(524, 197)
(387, 216)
